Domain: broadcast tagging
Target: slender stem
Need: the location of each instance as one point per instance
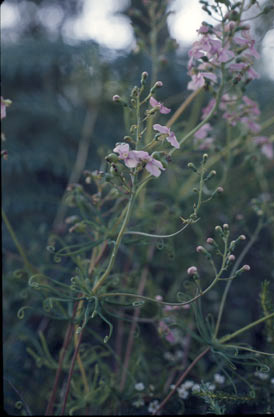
(117, 243)
(20, 249)
(182, 107)
(79, 360)
(235, 267)
(60, 364)
(112, 294)
(193, 363)
(243, 329)
(134, 322)
(71, 372)
(158, 236)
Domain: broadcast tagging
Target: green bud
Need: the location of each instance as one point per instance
(210, 175)
(192, 166)
(112, 157)
(134, 92)
(205, 157)
(219, 230)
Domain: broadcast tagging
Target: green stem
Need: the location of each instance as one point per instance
(21, 251)
(117, 243)
(243, 329)
(236, 265)
(162, 302)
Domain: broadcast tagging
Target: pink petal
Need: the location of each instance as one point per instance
(131, 162)
(267, 150)
(121, 148)
(153, 102)
(161, 129)
(173, 141)
(164, 109)
(209, 75)
(153, 170)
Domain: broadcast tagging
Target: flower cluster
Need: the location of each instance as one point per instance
(133, 158)
(233, 46)
(240, 111)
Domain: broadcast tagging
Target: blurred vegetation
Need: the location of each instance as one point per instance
(62, 122)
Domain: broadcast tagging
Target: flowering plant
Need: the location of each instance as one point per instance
(121, 261)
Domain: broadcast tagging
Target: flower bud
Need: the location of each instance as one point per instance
(220, 190)
(231, 258)
(200, 249)
(112, 157)
(210, 241)
(192, 166)
(210, 175)
(116, 98)
(158, 84)
(144, 77)
(242, 237)
(192, 270)
(205, 157)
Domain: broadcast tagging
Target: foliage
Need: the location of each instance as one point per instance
(133, 284)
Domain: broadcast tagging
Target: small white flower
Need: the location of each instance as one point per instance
(153, 406)
(138, 403)
(219, 379)
(168, 356)
(196, 388)
(261, 375)
(139, 386)
(179, 354)
(209, 386)
(272, 381)
(188, 384)
(182, 392)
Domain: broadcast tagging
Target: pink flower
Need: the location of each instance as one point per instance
(203, 29)
(252, 74)
(237, 67)
(252, 105)
(198, 80)
(165, 330)
(206, 110)
(267, 150)
(203, 131)
(250, 124)
(225, 55)
(153, 102)
(129, 157)
(266, 146)
(171, 138)
(133, 158)
(153, 166)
